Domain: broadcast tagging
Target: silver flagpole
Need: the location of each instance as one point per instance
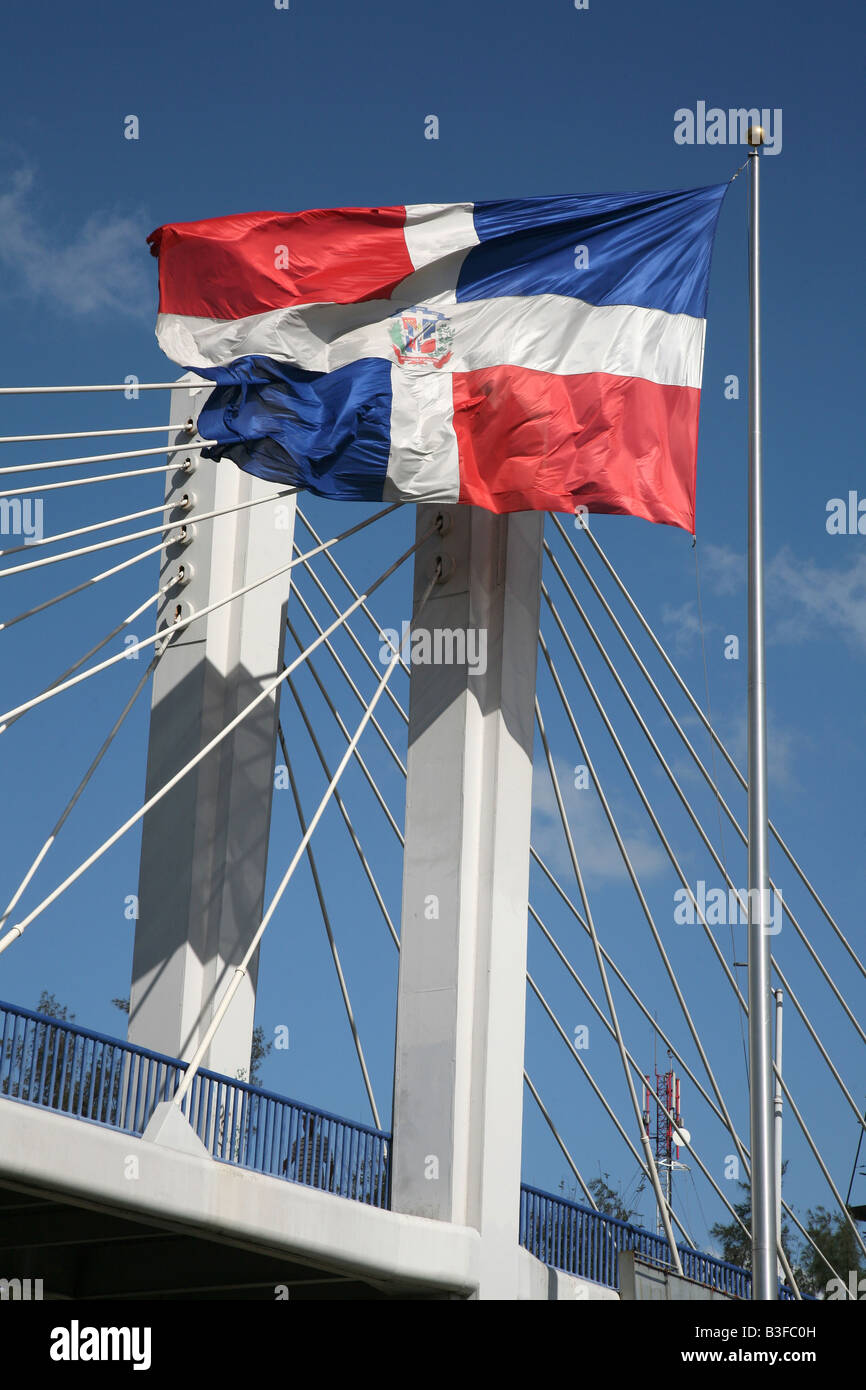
(777, 1127)
(764, 1265)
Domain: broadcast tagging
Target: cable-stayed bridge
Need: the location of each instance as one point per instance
(516, 809)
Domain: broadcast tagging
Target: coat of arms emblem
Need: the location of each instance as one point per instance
(421, 336)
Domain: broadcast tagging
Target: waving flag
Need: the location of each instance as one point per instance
(541, 353)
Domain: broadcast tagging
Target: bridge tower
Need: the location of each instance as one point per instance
(204, 846)
(458, 1086)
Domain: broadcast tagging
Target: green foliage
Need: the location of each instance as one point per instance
(736, 1245)
(53, 1067)
(830, 1232)
(258, 1053)
(607, 1199)
(835, 1239)
(51, 1006)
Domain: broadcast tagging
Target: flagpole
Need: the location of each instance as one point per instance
(764, 1263)
(777, 1127)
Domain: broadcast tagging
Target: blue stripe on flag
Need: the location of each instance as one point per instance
(651, 250)
(329, 432)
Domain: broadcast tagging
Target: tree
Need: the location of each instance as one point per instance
(51, 1006)
(258, 1052)
(607, 1199)
(259, 1049)
(57, 1069)
(48, 1065)
(835, 1239)
(737, 1245)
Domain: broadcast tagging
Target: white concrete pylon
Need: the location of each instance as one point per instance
(204, 847)
(458, 1094)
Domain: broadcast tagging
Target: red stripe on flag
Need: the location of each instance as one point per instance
(230, 267)
(531, 440)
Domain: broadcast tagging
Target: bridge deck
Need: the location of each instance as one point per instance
(55, 1075)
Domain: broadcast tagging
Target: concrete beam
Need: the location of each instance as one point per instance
(130, 1177)
(458, 1095)
(541, 1282)
(120, 1180)
(204, 846)
(642, 1282)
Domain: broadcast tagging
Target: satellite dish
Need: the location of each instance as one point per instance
(681, 1137)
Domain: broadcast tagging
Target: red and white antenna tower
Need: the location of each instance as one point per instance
(666, 1134)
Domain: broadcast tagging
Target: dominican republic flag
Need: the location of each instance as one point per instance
(533, 354)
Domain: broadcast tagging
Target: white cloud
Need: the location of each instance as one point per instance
(804, 601)
(721, 569)
(784, 747)
(597, 852)
(808, 601)
(102, 267)
(685, 625)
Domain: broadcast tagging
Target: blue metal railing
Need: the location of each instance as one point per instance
(60, 1066)
(587, 1243)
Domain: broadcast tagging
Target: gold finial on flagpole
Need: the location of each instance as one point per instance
(755, 135)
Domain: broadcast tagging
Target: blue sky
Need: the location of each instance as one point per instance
(251, 107)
